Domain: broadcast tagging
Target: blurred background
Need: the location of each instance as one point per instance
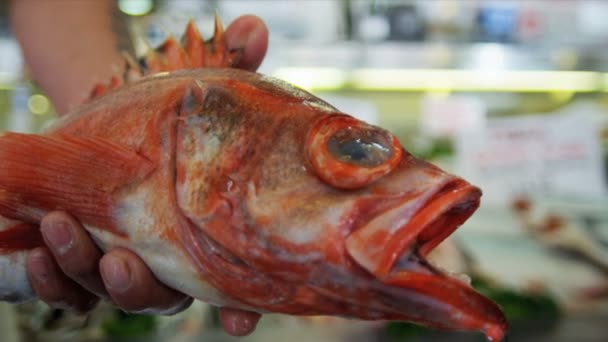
(512, 95)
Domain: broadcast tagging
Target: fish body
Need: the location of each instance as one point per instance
(244, 191)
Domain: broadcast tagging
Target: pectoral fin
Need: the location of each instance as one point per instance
(39, 174)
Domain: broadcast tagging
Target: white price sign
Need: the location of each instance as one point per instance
(542, 154)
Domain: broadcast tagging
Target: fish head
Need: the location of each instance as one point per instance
(315, 212)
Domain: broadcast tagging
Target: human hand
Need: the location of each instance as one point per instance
(73, 273)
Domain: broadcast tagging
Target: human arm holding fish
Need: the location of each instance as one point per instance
(67, 63)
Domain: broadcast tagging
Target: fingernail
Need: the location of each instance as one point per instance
(39, 266)
(59, 236)
(116, 274)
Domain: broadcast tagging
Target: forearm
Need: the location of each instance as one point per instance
(70, 46)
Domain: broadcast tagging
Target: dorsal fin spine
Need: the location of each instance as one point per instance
(189, 53)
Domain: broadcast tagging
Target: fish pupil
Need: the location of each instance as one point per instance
(362, 147)
(355, 149)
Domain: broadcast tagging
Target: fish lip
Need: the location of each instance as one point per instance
(446, 210)
(413, 223)
(462, 201)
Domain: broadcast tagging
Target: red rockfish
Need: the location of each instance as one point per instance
(244, 191)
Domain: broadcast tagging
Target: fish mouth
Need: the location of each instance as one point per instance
(449, 208)
(393, 247)
(417, 224)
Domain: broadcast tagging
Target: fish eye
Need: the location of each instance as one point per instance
(348, 153)
(362, 147)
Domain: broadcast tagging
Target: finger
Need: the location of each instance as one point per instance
(53, 287)
(134, 288)
(250, 34)
(238, 322)
(74, 250)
